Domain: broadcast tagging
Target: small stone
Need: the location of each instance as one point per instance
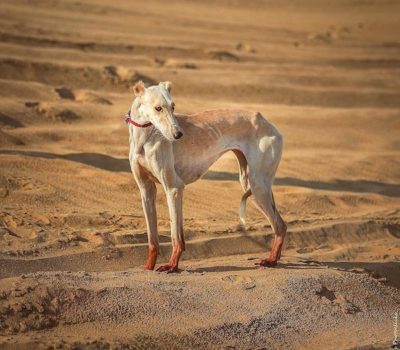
(41, 219)
(9, 221)
(249, 285)
(22, 327)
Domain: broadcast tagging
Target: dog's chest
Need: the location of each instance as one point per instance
(142, 167)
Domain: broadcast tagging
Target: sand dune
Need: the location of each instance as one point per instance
(72, 232)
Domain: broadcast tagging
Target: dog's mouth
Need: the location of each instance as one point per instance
(172, 134)
(175, 137)
(168, 135)
(170, 138)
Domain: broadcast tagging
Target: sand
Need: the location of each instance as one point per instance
(72, 232)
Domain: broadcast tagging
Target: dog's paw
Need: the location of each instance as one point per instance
(267, 263)
(168, 268)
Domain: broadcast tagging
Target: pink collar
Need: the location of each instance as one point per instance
(128, 119)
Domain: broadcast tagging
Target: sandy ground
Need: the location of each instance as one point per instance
(72, 233)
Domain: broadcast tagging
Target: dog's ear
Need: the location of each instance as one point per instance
(138, 88)
(167, 85)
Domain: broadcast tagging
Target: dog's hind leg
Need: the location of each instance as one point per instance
(264, 200)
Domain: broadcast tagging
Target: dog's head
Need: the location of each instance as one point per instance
(155, 104)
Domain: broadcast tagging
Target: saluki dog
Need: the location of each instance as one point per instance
(176, 150)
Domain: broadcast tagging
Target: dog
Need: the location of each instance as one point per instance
(176, 150)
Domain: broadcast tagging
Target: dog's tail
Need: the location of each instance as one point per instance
(242, 208)
(244, 181)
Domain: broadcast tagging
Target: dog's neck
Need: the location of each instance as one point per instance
(138, 136)
(135, 114)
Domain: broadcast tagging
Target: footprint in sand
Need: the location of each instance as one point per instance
(7, 139)
(9, 221)
(305, 250)
(245, 47)
(65, 93)
(336, 299)
(45, 109)
(86, 96)
(9, 122)
(81, 96)
(223, 56)
(177, 64)
(122, 75)
(244, 282)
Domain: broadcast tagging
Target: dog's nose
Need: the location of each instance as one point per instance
(178, 135)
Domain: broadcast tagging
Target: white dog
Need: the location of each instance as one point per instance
(176, 150)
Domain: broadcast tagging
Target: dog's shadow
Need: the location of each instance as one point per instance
(97, 160)
(387, 272)
(110, 163)
(220, 269)
(253, 265)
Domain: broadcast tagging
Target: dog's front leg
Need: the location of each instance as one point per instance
(174, 198)
(148, 193)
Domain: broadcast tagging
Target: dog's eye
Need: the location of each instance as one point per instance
(158, 108)
(173, 107)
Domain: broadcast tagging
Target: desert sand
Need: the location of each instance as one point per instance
(72, 232)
